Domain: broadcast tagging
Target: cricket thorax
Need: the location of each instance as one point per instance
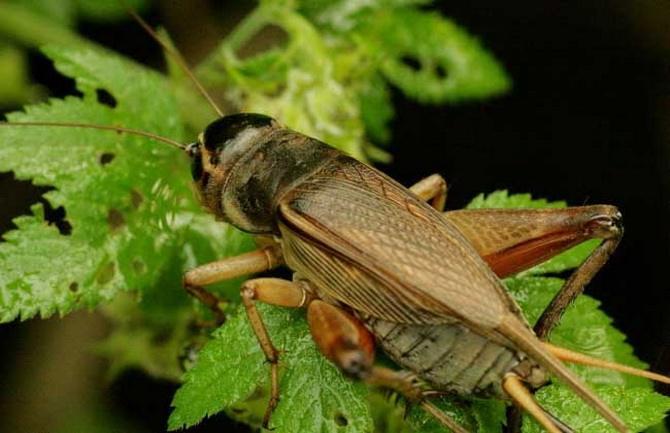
(453, 358)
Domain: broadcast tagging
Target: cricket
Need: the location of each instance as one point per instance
(380, 266)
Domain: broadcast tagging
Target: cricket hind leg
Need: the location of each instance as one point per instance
(345, 341)
(524, 399)
(232, 267)
(513, 240)
(432, 189)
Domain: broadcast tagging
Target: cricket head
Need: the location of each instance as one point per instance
(219, 148)
(243, 163)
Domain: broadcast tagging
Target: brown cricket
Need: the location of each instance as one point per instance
(376, 263)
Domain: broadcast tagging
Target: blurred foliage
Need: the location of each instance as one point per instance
(32, 23)
(132, 224)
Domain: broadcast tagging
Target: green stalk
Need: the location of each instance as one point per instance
(28, 28)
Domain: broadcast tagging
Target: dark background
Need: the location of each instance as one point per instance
(588, 121)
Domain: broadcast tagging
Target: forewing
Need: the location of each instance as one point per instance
(396, 257)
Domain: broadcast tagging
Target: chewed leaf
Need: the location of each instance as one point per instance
(231, 367)
(113, 189)
(431, 58)
(127, 199)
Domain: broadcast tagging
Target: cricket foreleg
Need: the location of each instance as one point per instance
(350, 346)
(278, 292)
(432, 189)
(256, 261)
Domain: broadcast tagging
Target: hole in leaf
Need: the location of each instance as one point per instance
(136, 198)
(115, 219)
(43, 71)
(138, 266)
(74, 287)
(441, 72)
(56, 217)
(17, 196)
(105, 98)
(106, 158)
(411, 62)
(341, 420)
(106, 273)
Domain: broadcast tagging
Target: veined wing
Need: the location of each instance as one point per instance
(401, 260)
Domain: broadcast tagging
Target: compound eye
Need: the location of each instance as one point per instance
(196, 164)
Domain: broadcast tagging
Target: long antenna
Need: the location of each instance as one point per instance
(176, 56)
(103, 127)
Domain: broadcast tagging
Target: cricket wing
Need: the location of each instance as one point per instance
(396, 257)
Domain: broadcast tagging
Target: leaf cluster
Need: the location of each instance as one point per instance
(330, 77)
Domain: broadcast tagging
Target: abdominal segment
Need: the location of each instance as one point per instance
(449, 357)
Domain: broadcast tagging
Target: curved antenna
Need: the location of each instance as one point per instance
(176, 56)
(131, 131)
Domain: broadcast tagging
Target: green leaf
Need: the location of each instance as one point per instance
(127, 199)
(296, 83)
(432, 59)
(343, 15)
(231, 368)
(502, 199)
(477, 415)
(59, 11)
(376, 109)
(640, 407)
(14, 85)
(583, 328)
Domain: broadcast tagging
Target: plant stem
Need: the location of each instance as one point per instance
(29, 28)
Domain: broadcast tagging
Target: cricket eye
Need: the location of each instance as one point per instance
(196, 161)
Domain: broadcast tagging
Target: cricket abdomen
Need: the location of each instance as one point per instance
(449, 357)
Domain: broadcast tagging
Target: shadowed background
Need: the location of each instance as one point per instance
(588, 121)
